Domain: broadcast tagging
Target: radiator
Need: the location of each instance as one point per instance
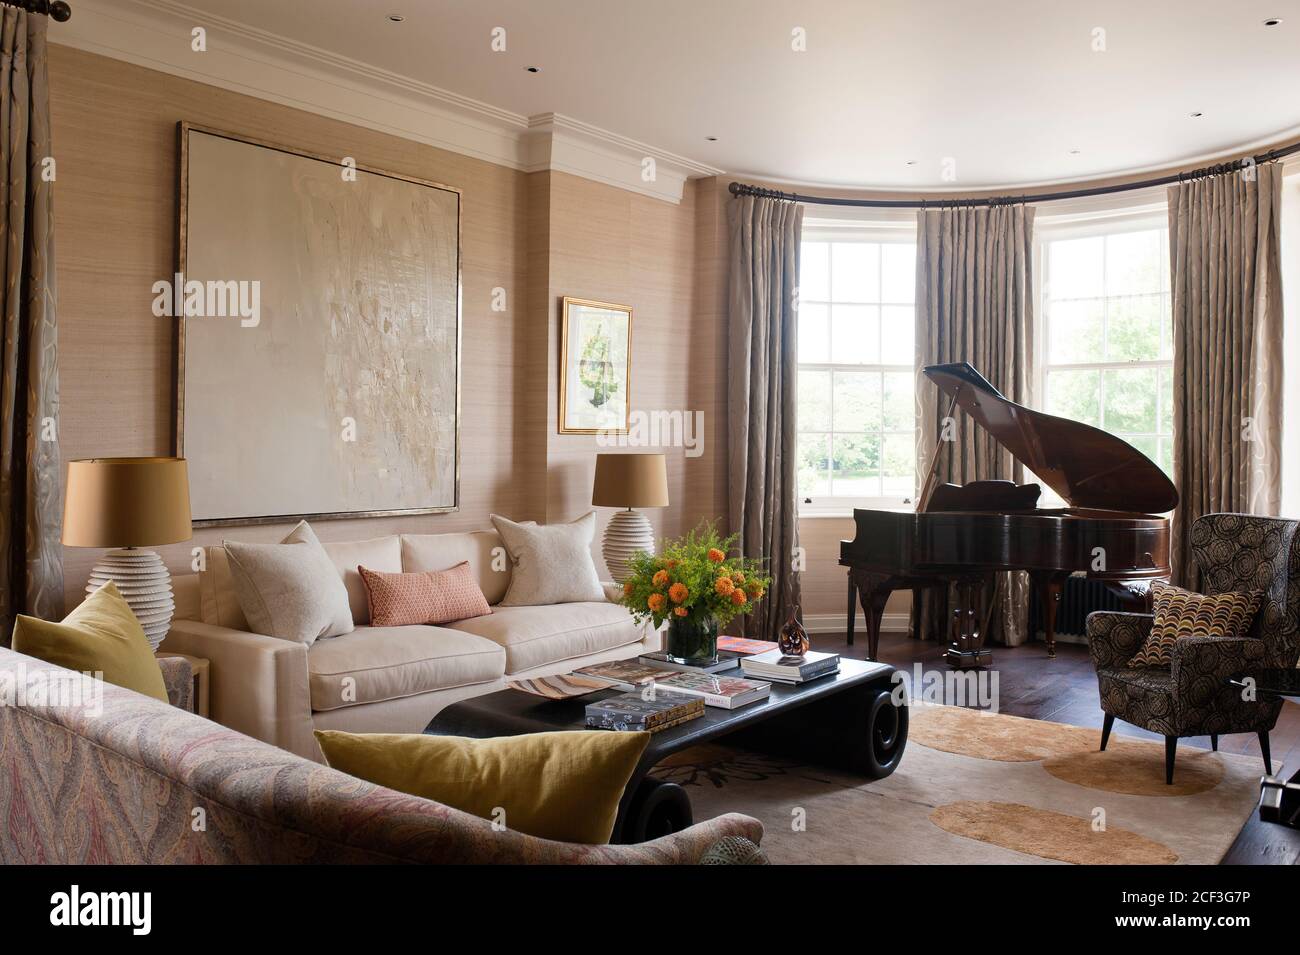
(1079, 597)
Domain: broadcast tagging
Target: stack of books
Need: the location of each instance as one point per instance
(725, 661)
(632, 712)
(624, 674)
(773, 665)
(724, 692)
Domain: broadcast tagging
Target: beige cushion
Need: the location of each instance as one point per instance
(218, 602)
(425, 552)
(545, 635)
(552, 563)
(378, 553)
(290, 590)
(387, 663)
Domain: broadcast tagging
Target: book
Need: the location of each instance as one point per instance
(773, 665)
(744, 646)
(724, 692)
(625, 674)
(632, 711)
(726, 661)
(562, 687)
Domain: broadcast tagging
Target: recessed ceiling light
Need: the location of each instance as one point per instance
(911, 162)
(1196, 115)
(533, 69)
(396, 17)
(1075, 152)
(1272, 21)
(712, 139)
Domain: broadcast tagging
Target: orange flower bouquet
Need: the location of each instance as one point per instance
(695, 586)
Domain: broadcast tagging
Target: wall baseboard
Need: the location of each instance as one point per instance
(834, 622)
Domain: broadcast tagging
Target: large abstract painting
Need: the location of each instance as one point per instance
(318, 354)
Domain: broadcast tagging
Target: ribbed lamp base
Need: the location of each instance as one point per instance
(142, 578)
(626, 533)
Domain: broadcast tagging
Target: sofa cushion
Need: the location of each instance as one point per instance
(387, 663)
(542, 636)
(483, 549)
(218, 602)
(378, 553)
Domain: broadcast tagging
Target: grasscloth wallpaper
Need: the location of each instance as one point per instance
(537, 236)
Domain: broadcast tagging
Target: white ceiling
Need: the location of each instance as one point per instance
(1004, 87)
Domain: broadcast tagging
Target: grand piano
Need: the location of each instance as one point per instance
(1110, 529)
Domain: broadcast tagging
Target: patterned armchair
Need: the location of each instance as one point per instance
(1235, 552)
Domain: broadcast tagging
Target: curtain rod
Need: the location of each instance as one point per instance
(743, 189)
(55, 9)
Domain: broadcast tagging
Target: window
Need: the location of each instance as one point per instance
(1107, 357)
(857, 390)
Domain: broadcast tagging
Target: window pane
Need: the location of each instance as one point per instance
(855, 334)
(1075, 395)
(1166, 329)
(899, 465)
(900, 401)
(897, 335)
(814, 272)
(814, 333)
(1166, 459)
(814, 465)
(855, 272)
(1131, 400)
(1074, 331)
(1133, 263)
(1147, 446)
(814, 411)
(1074, 268)
(898, 272)
(1133, 328)
(857, 401)
(856, 465)
(1166, 401)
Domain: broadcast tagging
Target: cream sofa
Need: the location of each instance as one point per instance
(385, 679)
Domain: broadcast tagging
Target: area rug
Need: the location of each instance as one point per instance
(1043, 796)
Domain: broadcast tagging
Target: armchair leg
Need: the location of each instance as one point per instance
(1106, 724)
(1171, 747)
(1214, 742)
(1263, 745)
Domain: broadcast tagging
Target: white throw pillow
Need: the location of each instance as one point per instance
(552, 564)
(290, 590)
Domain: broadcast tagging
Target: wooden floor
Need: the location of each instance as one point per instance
(1064, 690)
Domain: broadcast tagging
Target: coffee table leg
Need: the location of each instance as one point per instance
(652, 808)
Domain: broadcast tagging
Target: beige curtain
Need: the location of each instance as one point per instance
(762, 333)
(974, 303)
(1225, 257)
(31, 558)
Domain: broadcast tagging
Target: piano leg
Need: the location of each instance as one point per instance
(873, 591)
(853, 609)
(966, 649)
(1049, 598)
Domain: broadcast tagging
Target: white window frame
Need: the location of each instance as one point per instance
(1079, 225)
(898, 229)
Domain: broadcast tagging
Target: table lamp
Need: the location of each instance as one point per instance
(628, 481)
(127, 504)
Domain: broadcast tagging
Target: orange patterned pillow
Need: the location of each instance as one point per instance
(1183, 613)
(434, 596)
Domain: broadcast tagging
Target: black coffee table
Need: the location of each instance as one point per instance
(846, 721)
(1279, 799)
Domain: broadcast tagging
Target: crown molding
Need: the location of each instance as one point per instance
(156, 34)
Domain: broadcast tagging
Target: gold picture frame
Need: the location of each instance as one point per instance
(595, 367)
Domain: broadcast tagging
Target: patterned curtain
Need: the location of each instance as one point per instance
(762, 369)
(1225, 257)
(31, 556)
(974, 303)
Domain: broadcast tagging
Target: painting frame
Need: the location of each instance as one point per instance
(567, 336)
(184, 129)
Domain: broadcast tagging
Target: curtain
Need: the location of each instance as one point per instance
(974, 303)
(31, 557)
(762, 369)
(1225, 259)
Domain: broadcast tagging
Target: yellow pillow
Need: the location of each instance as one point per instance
(100, 635)
(562, 786)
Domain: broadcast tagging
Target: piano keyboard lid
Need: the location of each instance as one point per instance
(1086, 466)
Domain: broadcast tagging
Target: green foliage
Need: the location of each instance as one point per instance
(690, 570)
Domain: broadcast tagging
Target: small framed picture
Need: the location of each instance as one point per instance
(595, 367)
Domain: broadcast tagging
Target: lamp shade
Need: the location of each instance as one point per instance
(630, 480)
(127, 502)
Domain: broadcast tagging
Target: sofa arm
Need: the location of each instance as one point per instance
(1114, 638)
(613, 591)
(258, 684)
(1200, 670)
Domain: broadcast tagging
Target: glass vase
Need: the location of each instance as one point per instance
(692, 642)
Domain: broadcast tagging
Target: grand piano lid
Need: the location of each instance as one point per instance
(1086, 466)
